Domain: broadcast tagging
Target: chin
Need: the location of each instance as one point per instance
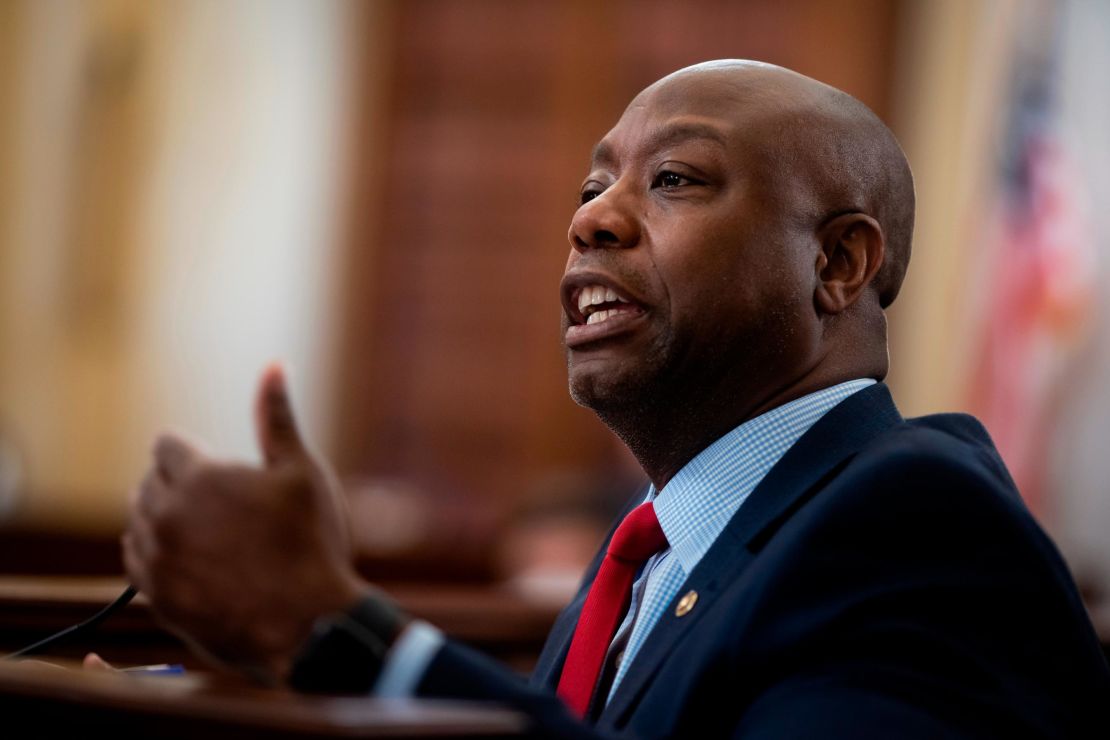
(594, 392)
(609, 394)
(617, 386)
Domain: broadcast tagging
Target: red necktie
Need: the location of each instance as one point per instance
(637, 538)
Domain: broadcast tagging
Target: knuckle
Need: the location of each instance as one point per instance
(199, 478)
(296, 483)
(163, 528)
(203, 479)
(162, 442)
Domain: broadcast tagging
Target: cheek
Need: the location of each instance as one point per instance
(725, 298)
(705, 274)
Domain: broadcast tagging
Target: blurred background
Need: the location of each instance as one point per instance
(377, 193)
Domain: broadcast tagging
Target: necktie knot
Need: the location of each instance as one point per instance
(639, 536)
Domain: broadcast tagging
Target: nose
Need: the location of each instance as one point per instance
(608, 221)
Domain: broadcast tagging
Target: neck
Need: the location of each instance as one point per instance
(665, 432)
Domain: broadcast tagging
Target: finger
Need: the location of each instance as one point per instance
(143, 537)
(275, 426)
(173, 456)
(94, 662)
(151, 497)
(134, 564)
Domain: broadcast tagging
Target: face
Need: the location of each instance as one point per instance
(689, 273)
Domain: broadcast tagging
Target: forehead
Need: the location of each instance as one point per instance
(733, 112)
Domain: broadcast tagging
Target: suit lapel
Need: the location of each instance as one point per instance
(813, 459)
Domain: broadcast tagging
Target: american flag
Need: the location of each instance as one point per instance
(1039, 276)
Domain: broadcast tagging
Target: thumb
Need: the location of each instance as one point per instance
(274, 424)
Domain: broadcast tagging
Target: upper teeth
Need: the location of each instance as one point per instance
(593, 295)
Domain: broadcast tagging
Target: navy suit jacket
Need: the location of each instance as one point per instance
(883, 580)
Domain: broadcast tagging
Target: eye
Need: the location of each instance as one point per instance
(588, 194)
(669, 180)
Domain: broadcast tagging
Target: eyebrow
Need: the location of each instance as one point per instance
(662, 137)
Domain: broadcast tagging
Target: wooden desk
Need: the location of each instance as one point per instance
(495, 621)
(48, 701)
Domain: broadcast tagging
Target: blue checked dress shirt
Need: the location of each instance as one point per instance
(693, 509)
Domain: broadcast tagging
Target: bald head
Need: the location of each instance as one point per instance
(832, 153)
(740, 230)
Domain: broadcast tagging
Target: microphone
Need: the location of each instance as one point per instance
(78, 629)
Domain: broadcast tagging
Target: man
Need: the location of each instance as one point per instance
(805, 563)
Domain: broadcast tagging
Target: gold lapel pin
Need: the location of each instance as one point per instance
(686, 604)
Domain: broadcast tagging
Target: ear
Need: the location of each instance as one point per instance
(852, 249)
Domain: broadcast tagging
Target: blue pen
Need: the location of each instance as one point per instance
(161, 669)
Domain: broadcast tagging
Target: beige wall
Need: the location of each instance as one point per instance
(952, 73)
(170, 224)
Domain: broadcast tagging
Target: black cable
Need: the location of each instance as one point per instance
(77, 629)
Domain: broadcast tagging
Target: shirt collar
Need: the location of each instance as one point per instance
(696, 504)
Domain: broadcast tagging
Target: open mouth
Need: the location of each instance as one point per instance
(599, 303)
(597, 312)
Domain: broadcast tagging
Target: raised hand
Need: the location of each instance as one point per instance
(240, 560)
